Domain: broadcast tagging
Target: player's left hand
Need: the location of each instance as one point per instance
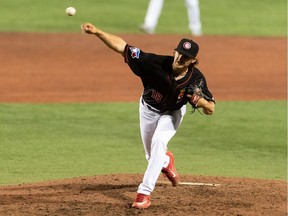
(195, 97)
(194, 93)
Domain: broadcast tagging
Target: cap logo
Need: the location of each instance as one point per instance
(187, 45)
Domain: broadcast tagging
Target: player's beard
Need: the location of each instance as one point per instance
(179, 67)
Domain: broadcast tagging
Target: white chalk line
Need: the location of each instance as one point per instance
(192, 183)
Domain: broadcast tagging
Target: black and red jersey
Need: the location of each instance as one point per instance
(161, 90)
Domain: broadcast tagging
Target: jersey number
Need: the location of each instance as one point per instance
(156, 96)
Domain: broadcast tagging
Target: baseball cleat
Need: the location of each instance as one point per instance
(142, 201)
(170, 171)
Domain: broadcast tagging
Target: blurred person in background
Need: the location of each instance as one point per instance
(154, 10)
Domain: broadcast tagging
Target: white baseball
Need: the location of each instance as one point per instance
(71, 11)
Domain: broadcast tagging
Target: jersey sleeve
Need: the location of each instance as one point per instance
(207, 92)
(135, 58)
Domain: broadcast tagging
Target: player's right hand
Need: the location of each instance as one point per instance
(88, 28)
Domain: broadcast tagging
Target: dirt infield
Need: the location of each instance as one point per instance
(69, 68)
(112, 195)
(41, 68)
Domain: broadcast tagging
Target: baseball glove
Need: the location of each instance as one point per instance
(194, 92)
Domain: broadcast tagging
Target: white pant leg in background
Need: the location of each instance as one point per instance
(194, 17)
(156, 131)
(153, 13)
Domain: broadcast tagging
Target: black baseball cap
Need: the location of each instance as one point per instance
(188, 48)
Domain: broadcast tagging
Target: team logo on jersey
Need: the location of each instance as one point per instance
(181, 95)
(135, 52)
(187, 45)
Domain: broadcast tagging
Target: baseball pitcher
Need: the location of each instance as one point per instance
(169, 82)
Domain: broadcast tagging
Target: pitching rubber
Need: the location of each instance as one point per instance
(192, 183)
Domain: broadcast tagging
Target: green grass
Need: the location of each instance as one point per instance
(223, 17)
(241, 139)
(51, 141)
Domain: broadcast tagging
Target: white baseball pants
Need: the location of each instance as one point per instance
(154, 10)
(156, 129)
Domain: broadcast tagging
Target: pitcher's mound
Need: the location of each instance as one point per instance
(114, 194)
